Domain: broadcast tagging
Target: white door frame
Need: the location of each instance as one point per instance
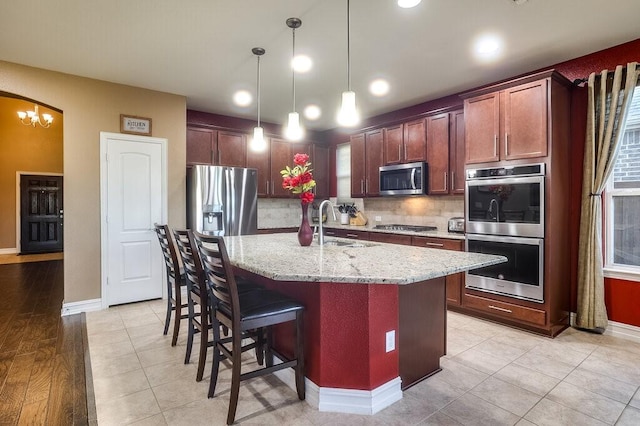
(104, 242)
(19, 174)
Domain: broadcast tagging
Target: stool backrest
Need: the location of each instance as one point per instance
(168, 252)
(219, 274)
(194, 274)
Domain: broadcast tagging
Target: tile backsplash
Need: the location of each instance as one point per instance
(275, 213)
(434, 211)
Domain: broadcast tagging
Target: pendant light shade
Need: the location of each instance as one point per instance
(258, 142)
(348, 115)
(294, 131)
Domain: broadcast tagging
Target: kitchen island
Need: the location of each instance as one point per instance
(375, 319)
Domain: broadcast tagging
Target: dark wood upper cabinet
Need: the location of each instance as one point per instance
(482, 125)
(405, 143)
(216, 147)
(320, 165)
(509, 124)
(394, 144)
(438, 153)
(374, 159)
(367, 155)
(281, 156)
(358, 169)
(232, 149)
(456, 152)
(201, 145)
(525, 121)
(415, 141)
(261, 161)
(445, 153)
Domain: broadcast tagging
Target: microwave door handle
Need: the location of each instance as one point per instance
(413, 178)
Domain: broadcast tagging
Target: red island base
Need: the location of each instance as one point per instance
(347, 366)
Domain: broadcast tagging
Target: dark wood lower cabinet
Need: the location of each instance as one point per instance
(422, 329)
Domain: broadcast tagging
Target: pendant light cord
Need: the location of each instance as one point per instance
(293, 70)
(348, 47)
(258, 90)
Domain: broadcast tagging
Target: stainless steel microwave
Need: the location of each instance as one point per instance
(404, 179)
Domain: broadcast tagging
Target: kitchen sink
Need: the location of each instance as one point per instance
(353, 244)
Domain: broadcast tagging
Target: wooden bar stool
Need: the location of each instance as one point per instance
(243, 313)
(199, 304)
(175, 280)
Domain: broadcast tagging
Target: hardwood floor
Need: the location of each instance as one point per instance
(42, 369)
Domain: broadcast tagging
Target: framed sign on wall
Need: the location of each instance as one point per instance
(135, 125)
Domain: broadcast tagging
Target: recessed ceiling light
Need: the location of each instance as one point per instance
(301, 63)
(242, 98)
(312, 112)
(408, 3)
(487, 47)
(379, 87)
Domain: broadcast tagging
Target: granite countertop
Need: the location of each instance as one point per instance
(279, 257)
(435, 234)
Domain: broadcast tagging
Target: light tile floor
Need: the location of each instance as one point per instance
(492, 375)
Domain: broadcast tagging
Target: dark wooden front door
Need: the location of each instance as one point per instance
(40, 214)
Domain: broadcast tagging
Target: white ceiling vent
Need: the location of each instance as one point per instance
(519, 1)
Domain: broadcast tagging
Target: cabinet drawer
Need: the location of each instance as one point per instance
(505, 310)
(439, 243)
(390, 238)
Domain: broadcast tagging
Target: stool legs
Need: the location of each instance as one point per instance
(235, 376)
(300, 388)
(168, 316)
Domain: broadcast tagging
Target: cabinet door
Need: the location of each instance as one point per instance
(232, 149)
(525, 121)
(393, 144)
(415, 141)
(358, 169)
(375, 159)
(482, 124)
(201, 144)
(261, 162)
(438, 153)
(320, 164)
(456, 152)
(280, 158)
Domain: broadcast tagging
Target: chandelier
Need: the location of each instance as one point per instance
(31, 118)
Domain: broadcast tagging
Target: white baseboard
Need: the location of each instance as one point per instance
(625, 331)
(351, 401)
(81, 306)
(13, 250)
(616, 329)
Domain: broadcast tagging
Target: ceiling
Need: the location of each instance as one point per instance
(202, 48)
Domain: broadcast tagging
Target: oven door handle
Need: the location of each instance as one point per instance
(532, 241)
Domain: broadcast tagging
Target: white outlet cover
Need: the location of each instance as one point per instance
(391, 340)
(378, 218)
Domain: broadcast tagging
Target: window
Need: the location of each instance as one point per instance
(622, 208)
(343, 171)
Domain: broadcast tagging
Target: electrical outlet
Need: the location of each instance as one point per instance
(378, 218)
(391, 340)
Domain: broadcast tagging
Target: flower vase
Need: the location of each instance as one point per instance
(305, 233)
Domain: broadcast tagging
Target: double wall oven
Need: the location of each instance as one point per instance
(504, 212)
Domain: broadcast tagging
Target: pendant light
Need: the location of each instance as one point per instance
(258, 143)
(294, 131)
(348, 115)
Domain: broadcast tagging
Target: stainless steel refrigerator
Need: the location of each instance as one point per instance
(222, 200)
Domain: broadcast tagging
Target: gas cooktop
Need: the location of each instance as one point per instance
(414, 228)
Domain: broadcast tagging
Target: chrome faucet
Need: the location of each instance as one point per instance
(320, 227)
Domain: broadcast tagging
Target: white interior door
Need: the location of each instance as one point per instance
(133, 199)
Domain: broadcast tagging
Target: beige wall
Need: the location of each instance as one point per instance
(24, 149)
(89, 107)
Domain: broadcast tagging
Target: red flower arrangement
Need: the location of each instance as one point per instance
(299, 178)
